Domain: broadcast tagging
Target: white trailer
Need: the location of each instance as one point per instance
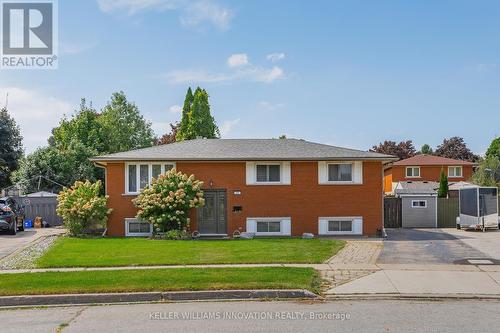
(478, 207)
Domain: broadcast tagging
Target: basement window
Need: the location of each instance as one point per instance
(137, 228)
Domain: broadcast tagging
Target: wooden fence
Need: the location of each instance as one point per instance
(45, 207)
(392, 213)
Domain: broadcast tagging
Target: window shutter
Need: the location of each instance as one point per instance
(286, 227)
(286, 173)
(252, 226)
(250, 170)
(322, 227)
(322, 173)
(357, 226)
(358, 172)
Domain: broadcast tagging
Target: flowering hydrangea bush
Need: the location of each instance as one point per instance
(167, 201)
(82, 207)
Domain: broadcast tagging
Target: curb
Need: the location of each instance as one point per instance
(172, 296)
(428, 297)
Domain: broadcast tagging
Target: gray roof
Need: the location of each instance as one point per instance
(418, 187)
(244, 149)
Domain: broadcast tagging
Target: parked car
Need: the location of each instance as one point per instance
(11, 216)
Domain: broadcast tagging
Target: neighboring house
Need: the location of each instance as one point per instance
(272, 187)
(425, 168)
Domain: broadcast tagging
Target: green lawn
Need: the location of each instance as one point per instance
(159, 280)
(76, 252)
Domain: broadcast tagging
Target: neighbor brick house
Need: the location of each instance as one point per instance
(426, 168)
(273, 187)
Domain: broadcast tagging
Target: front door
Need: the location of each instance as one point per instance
(212, 216)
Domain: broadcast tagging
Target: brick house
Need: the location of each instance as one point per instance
(272, 187)
(426, 168)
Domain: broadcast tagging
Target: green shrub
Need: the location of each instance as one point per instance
(167, 201)
(82, 208)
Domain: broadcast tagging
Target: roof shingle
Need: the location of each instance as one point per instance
(424, 159)
(244, 149)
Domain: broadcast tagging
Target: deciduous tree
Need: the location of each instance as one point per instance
(494, 148)
(11, 148)
(404, 149)
(456, 148)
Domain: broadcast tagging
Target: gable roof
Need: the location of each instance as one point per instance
(424, 159)
(418, 187)
(243, 150)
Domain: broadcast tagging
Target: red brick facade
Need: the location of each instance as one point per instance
(303, 201)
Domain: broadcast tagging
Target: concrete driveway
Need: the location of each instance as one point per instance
(427, 246)
(487, 242)
(9, 244)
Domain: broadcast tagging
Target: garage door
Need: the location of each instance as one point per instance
(419, 212)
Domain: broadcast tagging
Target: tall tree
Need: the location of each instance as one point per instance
(426, 149)
(84, 126)
(494, 148)
(456, 148)
(404, 149)
(124, 126)
(186, 109)
(488, 172)
(63, 166)
(11, 147)
(200, 124)
(443, 185)
(169, 137)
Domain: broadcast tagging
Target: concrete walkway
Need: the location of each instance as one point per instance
(424, 280)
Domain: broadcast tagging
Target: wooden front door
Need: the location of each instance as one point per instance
(212, 216)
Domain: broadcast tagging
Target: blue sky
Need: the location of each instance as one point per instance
(348, 73)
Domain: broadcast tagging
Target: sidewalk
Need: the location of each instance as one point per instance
(456, 280)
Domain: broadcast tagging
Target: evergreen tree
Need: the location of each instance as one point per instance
(443, 185)
(183, 126)
(200, 122)
(426, 149)
(11, 147)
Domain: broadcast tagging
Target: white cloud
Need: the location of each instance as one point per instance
(175, 109)
(35, 113)
(195, 76)
(202, 12)
(193, 14)
(228, 125)
(269, 106)
(237, 60)
(134, 6)
(485, 67)
(241, 69)
(274, 57)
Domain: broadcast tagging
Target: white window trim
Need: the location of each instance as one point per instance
(356, 172)
(269, 182)
(283, 227)
(356, 230)
(353, 167)
(413, 167)
(285, 173)
(136, 234)
(411, 206)
(455, 168)
(138, 173)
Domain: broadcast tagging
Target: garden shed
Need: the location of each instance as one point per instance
(418, 204)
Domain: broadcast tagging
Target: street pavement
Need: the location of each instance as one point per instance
(339, 316)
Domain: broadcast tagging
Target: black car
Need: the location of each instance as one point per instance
(11, 216)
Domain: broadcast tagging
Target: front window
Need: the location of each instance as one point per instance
(268, 173)
(268, 226)
(135, 227)
(413, 172)
(340, 226)
(340, 172)
(419, 203)
(139, 175)
(455, 171)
